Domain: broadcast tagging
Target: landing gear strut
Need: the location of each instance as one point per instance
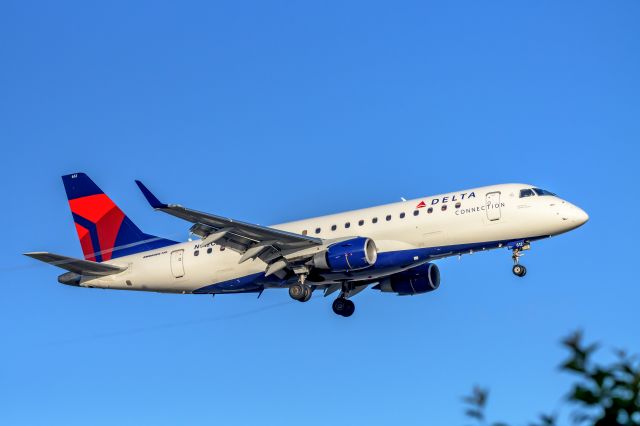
(518, 269)
(344, 307)
(300, 292)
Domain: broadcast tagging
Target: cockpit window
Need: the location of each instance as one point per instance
(526, 193)
(543, 192)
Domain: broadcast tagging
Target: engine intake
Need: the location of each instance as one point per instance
(421, 279)
(349, 255)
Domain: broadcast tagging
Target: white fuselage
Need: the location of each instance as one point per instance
(475, 219)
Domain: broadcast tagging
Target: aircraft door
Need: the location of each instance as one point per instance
(493, 206)
(177, 265)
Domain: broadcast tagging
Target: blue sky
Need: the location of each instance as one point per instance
(275, 111)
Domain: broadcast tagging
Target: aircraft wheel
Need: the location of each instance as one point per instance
(519, 270)
(344, 307)
(297, 292)
(308, 291)
(351, 308)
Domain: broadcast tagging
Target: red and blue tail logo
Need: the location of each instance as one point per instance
(105, 232)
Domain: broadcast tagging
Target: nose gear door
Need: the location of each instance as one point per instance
(177, 265)
(492, 206)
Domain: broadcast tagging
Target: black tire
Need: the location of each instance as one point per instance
(339, 305)
(296, 291)
(344, 307)
(350, 308)
(519, 270)
(308, 291)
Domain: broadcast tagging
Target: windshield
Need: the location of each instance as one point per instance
(543, 192)
(526, 193)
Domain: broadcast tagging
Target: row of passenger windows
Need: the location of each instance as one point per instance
(387, 218)
(209, 251)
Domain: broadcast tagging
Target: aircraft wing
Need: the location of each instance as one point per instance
(252, 241)
(79, 266)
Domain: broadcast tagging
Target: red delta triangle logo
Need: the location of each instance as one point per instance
(421, 205)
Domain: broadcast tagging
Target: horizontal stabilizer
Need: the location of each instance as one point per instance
(78, 266)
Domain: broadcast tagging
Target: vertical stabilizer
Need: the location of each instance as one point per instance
(105, 232)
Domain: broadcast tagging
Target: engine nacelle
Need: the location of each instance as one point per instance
(421, 279)
(349, 255)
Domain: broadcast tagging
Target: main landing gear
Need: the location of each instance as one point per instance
(343, 306)
(518, 269)
(300, 292)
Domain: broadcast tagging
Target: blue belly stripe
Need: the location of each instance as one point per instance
(386, 260)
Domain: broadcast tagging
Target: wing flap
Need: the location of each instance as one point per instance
(78, 266)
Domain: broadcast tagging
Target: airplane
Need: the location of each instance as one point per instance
(391, 247)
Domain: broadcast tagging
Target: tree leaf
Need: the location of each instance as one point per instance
(584, 395)
(474, 413)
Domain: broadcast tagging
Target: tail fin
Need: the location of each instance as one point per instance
(105, 232)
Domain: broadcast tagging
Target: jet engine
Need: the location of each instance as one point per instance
(349, 255)
(421, 279)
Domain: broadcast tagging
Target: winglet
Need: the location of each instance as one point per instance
(152, 199)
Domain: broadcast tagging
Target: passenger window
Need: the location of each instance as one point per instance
(361, 222)
(526, 193)
(334, 227)
(347, 225)
(209, 250)
(402, 215)
(430, 210)
(388, 217)
(416, 212)
(374, 220)
(444, 207)
(458, 204)
(197, 252)
(318, 230)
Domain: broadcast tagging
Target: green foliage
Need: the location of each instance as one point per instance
(603, 395)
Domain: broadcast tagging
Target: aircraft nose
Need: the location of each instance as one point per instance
(580, 217)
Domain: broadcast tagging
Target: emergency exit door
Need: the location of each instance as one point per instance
(177, 264)
(493, 206)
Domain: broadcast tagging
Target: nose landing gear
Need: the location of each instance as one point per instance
(344, 307)
(518, 269)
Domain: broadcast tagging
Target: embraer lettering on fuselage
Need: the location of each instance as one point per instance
(446, 199)
(154, 254)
